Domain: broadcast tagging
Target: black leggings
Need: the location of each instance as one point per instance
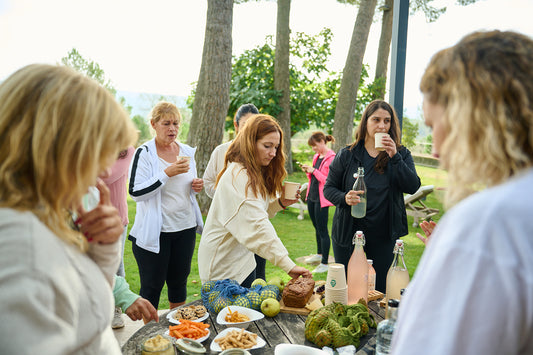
(319, 217)
(260, 267)
(172, 264)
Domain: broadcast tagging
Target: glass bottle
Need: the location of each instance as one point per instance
(357, 271)
(386, 329)
(398, 275)
(359, 210)
(371, 276)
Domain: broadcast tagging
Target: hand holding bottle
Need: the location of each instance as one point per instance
(358, 202)
(353, 197)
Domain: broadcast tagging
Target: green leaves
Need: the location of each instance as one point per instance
(91, 69)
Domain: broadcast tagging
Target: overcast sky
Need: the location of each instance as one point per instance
(156, 46)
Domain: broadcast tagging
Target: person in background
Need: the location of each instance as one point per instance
(134, 306)
(216, 164)
(388, 175)
(472, 292)
(59, 131)
(168, 216)
(317, 205)
(116, 180)
(216, 161)
(238, 224)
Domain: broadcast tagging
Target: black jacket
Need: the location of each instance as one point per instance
(402, 177)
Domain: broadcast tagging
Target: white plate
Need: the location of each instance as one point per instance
(215, 347)
(294, 349)
(252, 314)
(167, 332)
(171, 318)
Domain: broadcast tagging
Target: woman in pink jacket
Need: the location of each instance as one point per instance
(317, 205)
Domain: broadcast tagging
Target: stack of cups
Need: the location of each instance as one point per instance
(336, 289)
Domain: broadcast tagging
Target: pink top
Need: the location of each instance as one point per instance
(321, 174)
(116, 182)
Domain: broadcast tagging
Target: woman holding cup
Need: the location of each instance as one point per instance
(164, 183)
(249, 192)
(389, 173)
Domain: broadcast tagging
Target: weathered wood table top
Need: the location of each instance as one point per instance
(283, 329)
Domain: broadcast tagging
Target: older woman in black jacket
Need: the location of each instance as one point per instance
(388, 174)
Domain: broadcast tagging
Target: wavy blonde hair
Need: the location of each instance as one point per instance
(485, 85)
(58, 131)
(263, 180)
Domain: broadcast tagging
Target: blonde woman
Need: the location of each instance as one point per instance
(168, 216)
(472, 292)
(247, 191)
(58, 132)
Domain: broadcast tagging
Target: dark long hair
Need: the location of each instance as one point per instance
(244, 110)
(394, 131)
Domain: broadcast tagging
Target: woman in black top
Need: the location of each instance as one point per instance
(388, 174)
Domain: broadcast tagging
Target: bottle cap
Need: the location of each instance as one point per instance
(393, 303)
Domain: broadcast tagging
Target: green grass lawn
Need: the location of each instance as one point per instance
(298, 237)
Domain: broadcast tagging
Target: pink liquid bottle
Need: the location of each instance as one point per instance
(371, 276)
(358, 271)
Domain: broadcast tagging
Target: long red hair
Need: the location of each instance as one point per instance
(263, 180)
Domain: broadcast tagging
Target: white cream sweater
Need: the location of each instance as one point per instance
(238, 226)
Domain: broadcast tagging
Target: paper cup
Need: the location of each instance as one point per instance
(378, 140)
(183, 157)
(291, 188)
(339, 295)
(336, 278)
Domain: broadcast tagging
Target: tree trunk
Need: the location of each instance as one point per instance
(351, 75)
(281, 76)
(211, 101)
(384, 46)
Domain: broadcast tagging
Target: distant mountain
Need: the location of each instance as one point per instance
(142, 102)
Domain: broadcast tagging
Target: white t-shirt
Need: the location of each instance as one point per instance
(176, 208)
(472, 292)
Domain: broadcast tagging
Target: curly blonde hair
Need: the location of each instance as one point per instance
(58, 131)
(485, 85)
(263, 180)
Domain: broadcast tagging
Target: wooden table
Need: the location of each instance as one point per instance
(283, 328)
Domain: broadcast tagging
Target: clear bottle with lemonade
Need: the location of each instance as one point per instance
(357, 271)
(398, 275)
(359, 210)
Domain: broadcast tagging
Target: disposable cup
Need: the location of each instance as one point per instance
(183, 157)
(378, 137)
(336, 295)
(336, 277)
(291, 188)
